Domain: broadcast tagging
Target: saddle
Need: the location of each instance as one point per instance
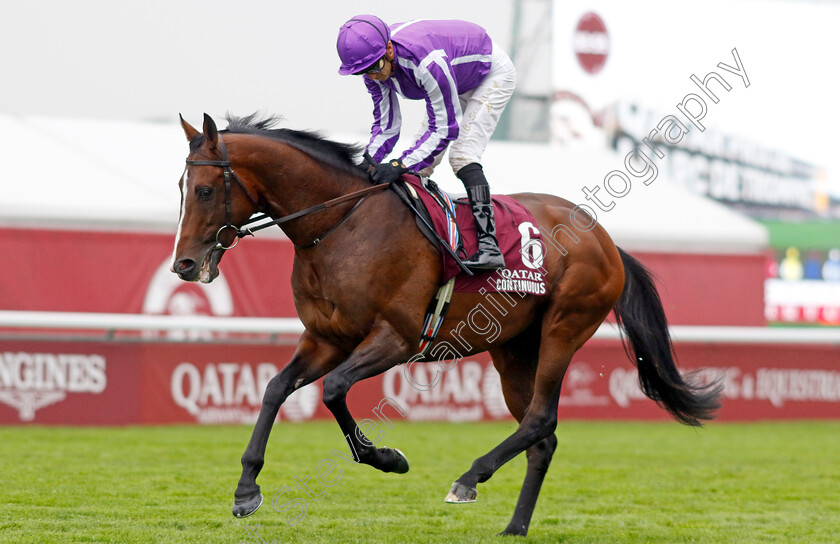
(448, 223)
(410, 188)
(520, 239)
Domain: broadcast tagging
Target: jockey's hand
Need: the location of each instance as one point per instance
(387, 172)
(367, 163)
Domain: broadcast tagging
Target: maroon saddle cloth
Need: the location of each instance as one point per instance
(520, 241)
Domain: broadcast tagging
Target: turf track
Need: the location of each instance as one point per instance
(610, 482)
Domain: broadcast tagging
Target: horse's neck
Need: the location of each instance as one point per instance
(294, 181)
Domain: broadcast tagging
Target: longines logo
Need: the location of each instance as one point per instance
(31, 381)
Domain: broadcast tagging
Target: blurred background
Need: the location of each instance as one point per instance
(706, 130)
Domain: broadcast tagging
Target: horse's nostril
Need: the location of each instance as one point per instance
(184, 266)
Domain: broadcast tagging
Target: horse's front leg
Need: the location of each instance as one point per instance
(381, 350)
(311, 360)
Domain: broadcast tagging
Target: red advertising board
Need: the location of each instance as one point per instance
(128, 272)
(115, 383)
(761, 382)
(76, 383)
(151, 381)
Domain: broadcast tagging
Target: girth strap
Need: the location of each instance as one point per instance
(435, 314)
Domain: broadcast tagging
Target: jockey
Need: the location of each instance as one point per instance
(466, 81)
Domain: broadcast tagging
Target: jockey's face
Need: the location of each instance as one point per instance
(386, 71)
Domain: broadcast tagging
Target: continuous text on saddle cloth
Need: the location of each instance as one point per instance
(670, 129)
(523, 281)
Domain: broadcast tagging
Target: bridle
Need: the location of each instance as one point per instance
(228, 174)
(245, 230)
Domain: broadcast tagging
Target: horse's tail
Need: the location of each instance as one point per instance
(640, 314)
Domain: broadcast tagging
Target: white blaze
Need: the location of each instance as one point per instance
(181, 218)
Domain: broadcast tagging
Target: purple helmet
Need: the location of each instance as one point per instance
(361, 41)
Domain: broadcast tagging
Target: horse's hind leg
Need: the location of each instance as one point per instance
(539, 458)
(584, 286)
(538, 423)
(517, 363)
(311, 360)
(563, 332)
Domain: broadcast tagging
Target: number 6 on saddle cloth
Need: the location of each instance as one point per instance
(450, 220)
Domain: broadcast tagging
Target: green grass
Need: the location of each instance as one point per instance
(610, 482)
(820, 235)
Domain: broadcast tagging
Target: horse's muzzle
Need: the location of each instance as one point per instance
(205, 272)
(186, 269)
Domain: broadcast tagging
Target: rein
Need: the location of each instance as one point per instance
(239, 233)
(361, 194)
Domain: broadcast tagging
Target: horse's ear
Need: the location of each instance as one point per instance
(189, 130)
(210, 130)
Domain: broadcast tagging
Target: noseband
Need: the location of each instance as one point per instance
(228, 172)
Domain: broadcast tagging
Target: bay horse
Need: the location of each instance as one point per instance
(363, 277)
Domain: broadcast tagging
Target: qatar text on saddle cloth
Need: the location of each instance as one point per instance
(519, 240)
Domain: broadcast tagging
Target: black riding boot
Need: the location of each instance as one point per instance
(488, 256)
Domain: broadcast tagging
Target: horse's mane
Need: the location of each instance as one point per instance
(337, 154)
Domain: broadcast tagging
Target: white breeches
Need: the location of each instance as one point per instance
(481, 109)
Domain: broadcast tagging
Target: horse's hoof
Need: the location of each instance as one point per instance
(460, 494)
(245, 507)
(402, 463)
(514, 531)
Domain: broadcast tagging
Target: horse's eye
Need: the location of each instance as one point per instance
(203, 193)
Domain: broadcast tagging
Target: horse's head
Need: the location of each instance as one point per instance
(214, 202)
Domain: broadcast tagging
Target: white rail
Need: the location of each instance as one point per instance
(740, 335)
(76, 321)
